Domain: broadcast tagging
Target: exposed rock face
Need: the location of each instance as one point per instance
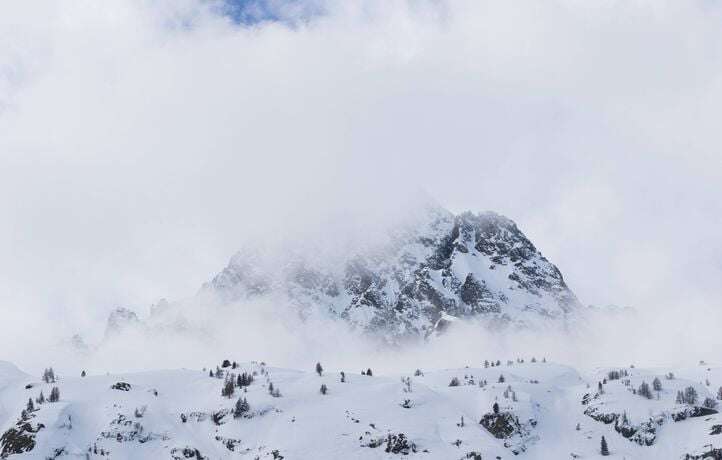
(20, 437)
(502, 425)
(438, 266)
(121, 320)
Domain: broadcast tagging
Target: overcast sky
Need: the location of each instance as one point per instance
(142, 142)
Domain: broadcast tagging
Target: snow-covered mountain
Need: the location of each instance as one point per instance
(432, 267)
(535, 410)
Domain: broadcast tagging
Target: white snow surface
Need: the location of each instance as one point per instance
(146, 422)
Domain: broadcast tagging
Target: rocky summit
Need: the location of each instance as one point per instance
(433, 268)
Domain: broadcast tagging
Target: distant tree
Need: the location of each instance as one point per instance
(544, 359)
(604, 450)
(343, 376)
(669, 376)
(498, 363)
(210, 373)
(680, 398)
(533, 359)
(41, 398)
(54, 395)
(600, 388)
(228, 388)
(501, 378)
(324, 389)
(406, 381)
(418, 373)
(644, 390)
(30, 407)
(486, 363)
(82, 374)
(657, 384)
(49, 375)
(234, 365)
(495, 408)
(369, 373)
(690, 395)
(363, 372)
(226, 363)
(578, 427)
(719, 393)
(270, 388)
(454, 382)
(242, 407)
(319, 369)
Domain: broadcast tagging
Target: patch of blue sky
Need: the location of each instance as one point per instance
(254, 12)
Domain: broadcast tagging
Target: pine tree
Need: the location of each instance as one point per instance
(454, 382)
(30, 406)
(604, 448)
(41, 398)
(369, 373)
(690, 395)
(323, 389)
(495, 408)
(228, 388)
(319, 369)
(644, 390)
(82, 374)
(501, 378)
(241, 408)
(343, 377)
(657, 384)
(54, 395)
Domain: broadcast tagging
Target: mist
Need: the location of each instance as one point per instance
(143, 143)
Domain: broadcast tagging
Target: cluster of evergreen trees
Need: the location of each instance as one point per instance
(644, 390)
(509, 362)
(617, 374)
(49, 375)
(688, 396)
(242, 380)
(242, 408)
(273, 391)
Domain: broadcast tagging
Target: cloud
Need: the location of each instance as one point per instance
(141, 143)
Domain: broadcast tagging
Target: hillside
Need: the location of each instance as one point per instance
(545, 411)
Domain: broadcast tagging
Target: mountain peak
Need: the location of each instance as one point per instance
(434, 264)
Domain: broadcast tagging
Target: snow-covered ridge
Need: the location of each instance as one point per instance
(527, 408)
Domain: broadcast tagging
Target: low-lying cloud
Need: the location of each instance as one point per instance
(142, 143)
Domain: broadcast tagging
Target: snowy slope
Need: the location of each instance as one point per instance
(181, 414)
